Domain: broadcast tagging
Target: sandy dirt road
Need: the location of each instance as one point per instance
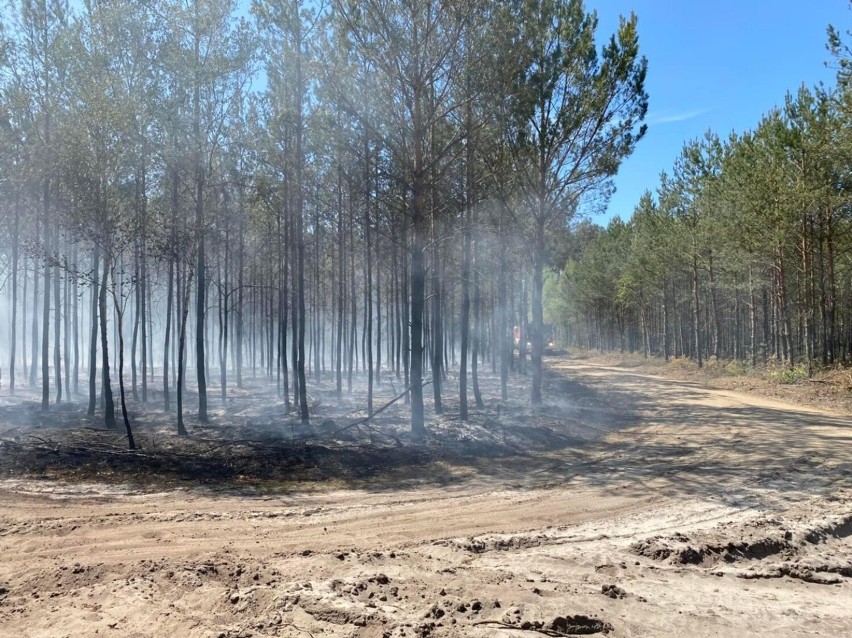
(680, 511)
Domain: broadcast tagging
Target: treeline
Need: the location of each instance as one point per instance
(743, 252)
(307, 191)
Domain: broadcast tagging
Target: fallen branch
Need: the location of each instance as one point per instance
(93, 451)
(369, 417)
(50, 445)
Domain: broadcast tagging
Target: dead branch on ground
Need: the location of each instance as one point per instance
(369, 417)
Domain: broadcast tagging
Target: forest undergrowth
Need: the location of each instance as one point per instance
(252, 442)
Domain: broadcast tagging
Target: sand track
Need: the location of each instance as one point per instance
(686, 512)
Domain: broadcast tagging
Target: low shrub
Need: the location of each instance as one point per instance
(737, 368)
(790, 376)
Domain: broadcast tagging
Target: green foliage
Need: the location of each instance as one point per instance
(737, 368)
(790, 377)
(741, 250)
(576, 113)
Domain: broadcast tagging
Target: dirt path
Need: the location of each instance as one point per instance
(686, 512)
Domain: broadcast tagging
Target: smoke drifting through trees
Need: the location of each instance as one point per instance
(371, 208)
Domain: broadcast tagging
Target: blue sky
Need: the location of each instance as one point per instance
(716, 65)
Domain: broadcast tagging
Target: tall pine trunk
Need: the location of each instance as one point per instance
(93, 338)
(465, 308)
(696, 312)
(201, 284)
(170, 292)
(57, 320)
(109, 404)
(45, 325)
(368, 279)
(181, 359)
(341, 296)
(477, 330)
(13, 337)
(537, 332)
(504, 332)
(119, 315)
(418, 269)
(34, 329)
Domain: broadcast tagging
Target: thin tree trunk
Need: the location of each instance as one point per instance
(224, 326)
(143, 295)
(93, 340)
(465, 307)
(341, 288)
(318, 310)
(134, 339)
(738, 355)
(13, 337)
(170, 291)
(181, 361)
(201, 285)
(503, 330)
(368, 279)
(714, 308)
(119, 314)
(477, 330)
(418, 269)
(523, 324)
(752, 317)
(109, 405)
(352, 300)
(378, 305)
(787, 333)
(45, 325)
(24, 322)
(437, 340)
(537, 308)
(238, 346)
(283, 297)
(806, 299)
(34, 331)
(831, 287)
(696, 312)
(57, 324)
(300, 235)
(666, 352)
(76, 326)
(406, 317)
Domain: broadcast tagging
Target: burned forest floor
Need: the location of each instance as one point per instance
(255, 440)
(630, 504)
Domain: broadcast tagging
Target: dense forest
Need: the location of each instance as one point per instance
(193, 192)
(742, 252)
(303, 191)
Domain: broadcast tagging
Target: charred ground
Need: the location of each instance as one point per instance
(252, 439)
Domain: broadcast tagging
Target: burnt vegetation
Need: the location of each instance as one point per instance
(318, 206)
(365, 218)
